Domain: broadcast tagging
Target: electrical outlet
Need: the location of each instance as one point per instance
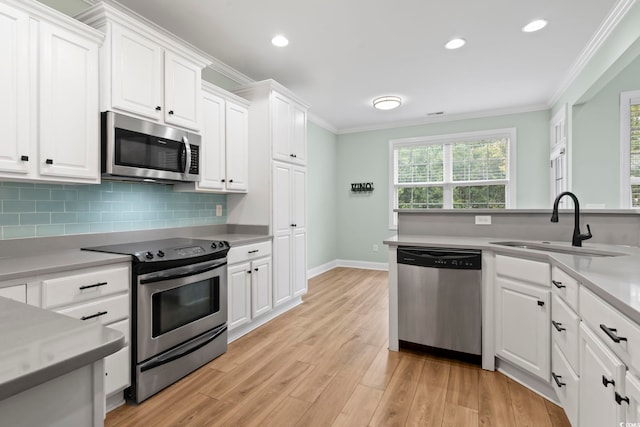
(218, 210)
(483, 219)
(375, 248)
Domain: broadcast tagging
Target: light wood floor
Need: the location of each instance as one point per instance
(326, 363)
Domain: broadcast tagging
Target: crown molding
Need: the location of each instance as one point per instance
(228, 71)
(608, 25)
(322, 123)
(448, 118)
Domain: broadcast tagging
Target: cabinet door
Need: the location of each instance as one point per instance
(282, 291)
(69, 120)
(632, 390)
(601, 373)
(522, 325)
(182, 91)
(212, 151)
(239, 291)
(298, 204)
(299, 135)
(116, 371)
(261, 284)
(299, 263)
(15, 80)
(282, 128)
(136, 74)
(282, 182)
(237, 137)
(16, 293)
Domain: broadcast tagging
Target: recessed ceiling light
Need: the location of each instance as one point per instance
(387, 102)
(536, 25)
(280, 41)
(455, 43)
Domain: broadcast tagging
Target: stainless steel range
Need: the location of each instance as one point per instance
(179, 309)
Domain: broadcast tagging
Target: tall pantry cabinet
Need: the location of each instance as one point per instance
(277, 172)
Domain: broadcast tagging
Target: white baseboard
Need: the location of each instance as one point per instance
(367, 265)
(316, 271)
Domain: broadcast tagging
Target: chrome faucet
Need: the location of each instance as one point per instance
(577, 237)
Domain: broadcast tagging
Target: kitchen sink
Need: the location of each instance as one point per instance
(548, 247)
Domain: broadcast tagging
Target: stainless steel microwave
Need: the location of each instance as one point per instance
(135, 149)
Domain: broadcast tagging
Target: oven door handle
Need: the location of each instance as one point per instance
(183, 350)
(179, 272)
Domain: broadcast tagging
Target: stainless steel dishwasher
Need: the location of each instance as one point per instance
(439, 298)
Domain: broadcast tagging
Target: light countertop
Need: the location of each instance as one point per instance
(38, 345)
(615, 279)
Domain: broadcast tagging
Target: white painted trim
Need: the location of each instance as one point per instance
(626, 98)
(608, 25)
(366, 265)
(261, 320)
(322, 123)
(527, 380)
(228, 71)
(316, 271)
(448, 118)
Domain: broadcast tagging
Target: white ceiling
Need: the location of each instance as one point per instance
(344, 53)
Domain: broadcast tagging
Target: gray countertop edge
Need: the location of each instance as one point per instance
(29, 266)
(35, 378)
(563, 261)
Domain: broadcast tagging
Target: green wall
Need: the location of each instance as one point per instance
(596, 141)
(321, 196)
(363, 218)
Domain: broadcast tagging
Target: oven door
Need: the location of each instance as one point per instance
(177, 304)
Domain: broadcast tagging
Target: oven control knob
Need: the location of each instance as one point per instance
(160, 254)
(213, 245)
(148, 255)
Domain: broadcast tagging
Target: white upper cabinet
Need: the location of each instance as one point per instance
(50, 96)
(224, 152)
(14, 87)
(136, 74)
(289, 130)
(69, 121)
(146, 71)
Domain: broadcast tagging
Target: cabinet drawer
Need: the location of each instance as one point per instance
(248, 252)
(105, 311)
(600, 315)
(565, 330)
(116, 371)
(16, 293)
(122, 326)
(523, 269)
(566, 384)
(84, 286)
(565, 286)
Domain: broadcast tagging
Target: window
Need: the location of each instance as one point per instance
(630, 149)
(558, 157)
(460, 171)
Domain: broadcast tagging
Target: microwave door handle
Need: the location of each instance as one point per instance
(187, 150)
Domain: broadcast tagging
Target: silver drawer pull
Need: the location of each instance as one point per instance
(95, 285)
(98, 314)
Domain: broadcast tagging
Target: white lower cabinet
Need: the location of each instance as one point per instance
(250, 285)
(99, 294)
(566, 383)
(632, 391)
(601, 380)
(523, 317)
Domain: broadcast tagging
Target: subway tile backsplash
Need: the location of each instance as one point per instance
(38, 210)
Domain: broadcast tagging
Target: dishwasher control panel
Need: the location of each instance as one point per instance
(461, 259)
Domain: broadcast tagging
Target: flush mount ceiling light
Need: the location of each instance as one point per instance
(387, 102)
(533, 26)
(280, 41)
(455, 43)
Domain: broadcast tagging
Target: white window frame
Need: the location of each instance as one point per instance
(558, 150)
(510, 181)
(626, 181)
